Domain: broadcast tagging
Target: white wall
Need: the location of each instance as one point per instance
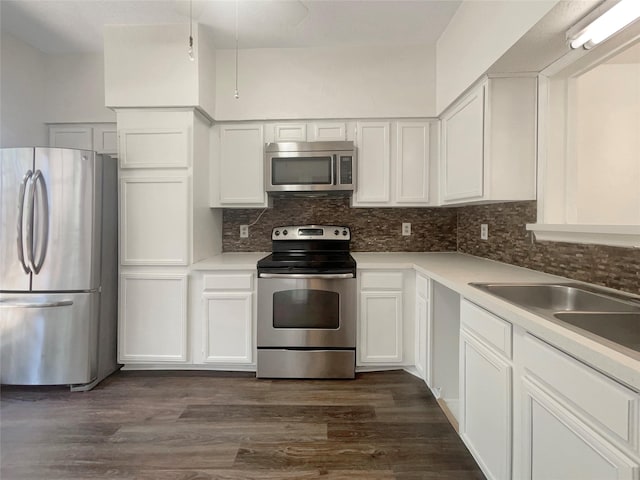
(148, 66)
(479, 33)
(22, 94)
(326, 83)
(607, 145)
(75, 89)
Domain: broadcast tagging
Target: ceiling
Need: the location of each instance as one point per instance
(66, 26)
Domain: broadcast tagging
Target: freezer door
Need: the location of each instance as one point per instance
(16, 170)
(65, 200)
(48, 339)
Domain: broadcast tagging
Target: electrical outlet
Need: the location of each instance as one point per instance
(484, 231)
(244, 231)
(406, 229)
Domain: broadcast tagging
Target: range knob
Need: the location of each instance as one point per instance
(277, 233)
(284, 232)
(344, 233)
(336, 232)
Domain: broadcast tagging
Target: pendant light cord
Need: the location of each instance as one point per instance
(237, 93)
(190, 50)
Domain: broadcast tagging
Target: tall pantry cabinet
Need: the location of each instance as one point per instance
(165, 225)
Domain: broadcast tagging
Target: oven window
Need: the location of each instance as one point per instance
(306, 309)
(301, 171)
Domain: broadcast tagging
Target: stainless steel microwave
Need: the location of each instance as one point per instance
(310, 167)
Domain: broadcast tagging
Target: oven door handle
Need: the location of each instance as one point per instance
(326, 276)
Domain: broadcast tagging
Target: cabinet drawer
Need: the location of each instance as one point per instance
(240, 281)
(422, 286)
(613, 407)
(494, 330)
(381, 280)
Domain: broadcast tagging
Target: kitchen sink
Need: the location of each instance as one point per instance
(620, 327)
(557, 297)
(612, 316)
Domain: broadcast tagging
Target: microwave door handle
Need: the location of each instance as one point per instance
(334, 162)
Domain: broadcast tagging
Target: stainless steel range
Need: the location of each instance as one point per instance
(307, 304)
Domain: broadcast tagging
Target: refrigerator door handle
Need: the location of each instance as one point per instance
(28, 304)
(38, 179)
(20, 239)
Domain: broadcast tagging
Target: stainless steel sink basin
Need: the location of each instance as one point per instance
(607, 315)
(621, 328)
(557, 297)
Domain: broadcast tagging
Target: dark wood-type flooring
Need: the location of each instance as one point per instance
(208, 425)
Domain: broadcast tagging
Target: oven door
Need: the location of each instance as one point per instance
(306, 311)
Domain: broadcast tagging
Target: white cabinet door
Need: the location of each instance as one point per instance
(152, 325)
(154, 221)
(556, 445)
(485, 415)
(463, 147)
(154, 148)
(381, 327)
(290, 132)
(228, 324)
(412, 163)
(327, 132)
(105, 139)
(373, 163)
(241, 172)
(422, 352)
(71, 137)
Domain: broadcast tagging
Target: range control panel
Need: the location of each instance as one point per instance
(311, 232)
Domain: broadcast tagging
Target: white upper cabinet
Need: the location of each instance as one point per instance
(412, 162)
(321, 131)
(489, 143)
(238, 166)
(78, 136)
(99, 137)
(290, 132)
(374, 159)
(394, 163)
(463, 148)
(327, 132)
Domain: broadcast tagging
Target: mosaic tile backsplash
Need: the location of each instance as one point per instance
(442, 229)
(372, 229)
(509, 242)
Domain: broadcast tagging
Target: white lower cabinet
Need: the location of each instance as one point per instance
(423, 328)
(576, 422)
(569, 421)
(485, 416)
(381, 323)
(227, 319)
(558, 446)
(152, 324)
(486, 389)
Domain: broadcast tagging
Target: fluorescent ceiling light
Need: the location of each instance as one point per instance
(610, 22)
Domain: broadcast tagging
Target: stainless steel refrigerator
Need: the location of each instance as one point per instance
(58, 267)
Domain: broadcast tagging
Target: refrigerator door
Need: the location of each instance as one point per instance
(64, 202)
(48, 339)
(16, 171)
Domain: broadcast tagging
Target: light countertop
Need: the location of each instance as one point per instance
(230, 261)
(456, 271)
